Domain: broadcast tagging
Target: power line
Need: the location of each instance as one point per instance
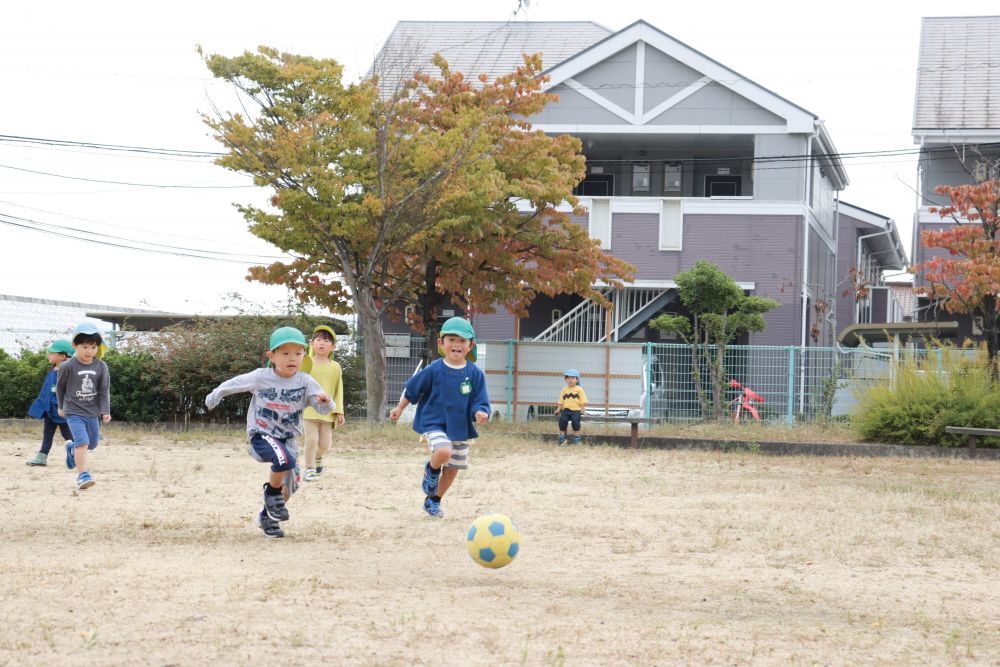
(139, 185)
(175, 152)
(62, 232)
(109, 224)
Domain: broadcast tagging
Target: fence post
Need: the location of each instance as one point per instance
(510, 380)
(790, 401)
(649, 378)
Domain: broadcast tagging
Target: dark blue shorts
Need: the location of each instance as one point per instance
(272, 450)
(567, 416)
(85, 430)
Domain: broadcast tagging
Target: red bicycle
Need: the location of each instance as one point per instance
(744, 402)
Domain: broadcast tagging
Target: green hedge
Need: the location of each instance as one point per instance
(164, 377)
(949, 388)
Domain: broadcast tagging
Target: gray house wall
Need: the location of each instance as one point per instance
(619, 67)
(665, 76)
(779, 181)
(944, 166)
(715, 104)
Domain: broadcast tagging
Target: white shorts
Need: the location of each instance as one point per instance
(459, 450)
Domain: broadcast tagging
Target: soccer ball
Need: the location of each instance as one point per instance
(493, 540)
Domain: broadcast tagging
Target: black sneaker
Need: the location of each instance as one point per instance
(269, 525)
(275, 506)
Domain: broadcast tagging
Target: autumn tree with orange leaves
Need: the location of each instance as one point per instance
(383, 196)
(967, 280)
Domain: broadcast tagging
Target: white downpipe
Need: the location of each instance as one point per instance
(806, 210)
(857, 265)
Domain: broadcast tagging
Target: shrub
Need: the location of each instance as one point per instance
(136, 392)
(949, 387)
(20, 379)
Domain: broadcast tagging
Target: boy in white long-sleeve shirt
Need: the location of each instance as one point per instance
(274, 419)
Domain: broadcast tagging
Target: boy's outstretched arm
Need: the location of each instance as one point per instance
(318, 399)
(398, 410)
(236, 385)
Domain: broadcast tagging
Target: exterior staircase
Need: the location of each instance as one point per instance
(589, 322)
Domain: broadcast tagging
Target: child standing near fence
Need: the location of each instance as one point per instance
(572, 401)
(46, 406)
(83, 389)
(319, 428)
(451, 397)
(274, 419)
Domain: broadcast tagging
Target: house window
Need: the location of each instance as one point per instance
(556, 315)
(723, 186)
(596, 185)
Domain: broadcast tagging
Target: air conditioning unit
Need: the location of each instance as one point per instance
(671, 177)
(640, 177)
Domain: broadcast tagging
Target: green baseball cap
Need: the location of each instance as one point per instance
(283, 335)
(61, 345)
(458, 326)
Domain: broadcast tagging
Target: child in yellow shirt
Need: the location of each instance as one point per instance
(319, 428)
(572, 402)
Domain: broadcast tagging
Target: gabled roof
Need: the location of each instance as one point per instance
(958, 78)
(493, 48)
(882, 236)
(650, 34)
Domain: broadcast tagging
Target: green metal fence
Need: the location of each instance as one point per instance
(658, 380)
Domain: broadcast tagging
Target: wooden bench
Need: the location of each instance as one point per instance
(973, 434)
(633, 421)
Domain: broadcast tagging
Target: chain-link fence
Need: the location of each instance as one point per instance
(788, 383)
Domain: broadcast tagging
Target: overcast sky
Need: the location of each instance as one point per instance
(128, 74)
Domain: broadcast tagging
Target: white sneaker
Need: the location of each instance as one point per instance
(310, 475)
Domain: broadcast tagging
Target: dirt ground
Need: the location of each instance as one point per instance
(629, 558)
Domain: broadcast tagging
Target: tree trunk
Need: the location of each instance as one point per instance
(991, 329)
(370, 323)
(717, 371)
(430, 301)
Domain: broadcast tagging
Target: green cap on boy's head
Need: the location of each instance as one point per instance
(458, 326)
(284, 335)
(61, 345)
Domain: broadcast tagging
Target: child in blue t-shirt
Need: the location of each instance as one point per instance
(46, 407)
(450, 394)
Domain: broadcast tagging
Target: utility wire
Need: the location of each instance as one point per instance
(139, 185)
(132, 229)
(176, 152)
(72, 233)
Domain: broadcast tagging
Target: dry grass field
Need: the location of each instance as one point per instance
(640, 557)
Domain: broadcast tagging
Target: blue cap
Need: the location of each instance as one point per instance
(572, 373)
(85, 328)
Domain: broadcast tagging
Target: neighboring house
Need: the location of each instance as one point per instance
(30, 323)
(686, 160)
(868, 245)
(956, 122)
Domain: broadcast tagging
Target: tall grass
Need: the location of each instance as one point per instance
(948, 386)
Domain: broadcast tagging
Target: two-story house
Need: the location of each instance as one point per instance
(956, 123)
(686, 159)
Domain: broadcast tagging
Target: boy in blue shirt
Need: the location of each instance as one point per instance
(46, 407)
(281, 393)
(450, 394)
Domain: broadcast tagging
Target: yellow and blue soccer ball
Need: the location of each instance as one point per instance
(493, 540)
